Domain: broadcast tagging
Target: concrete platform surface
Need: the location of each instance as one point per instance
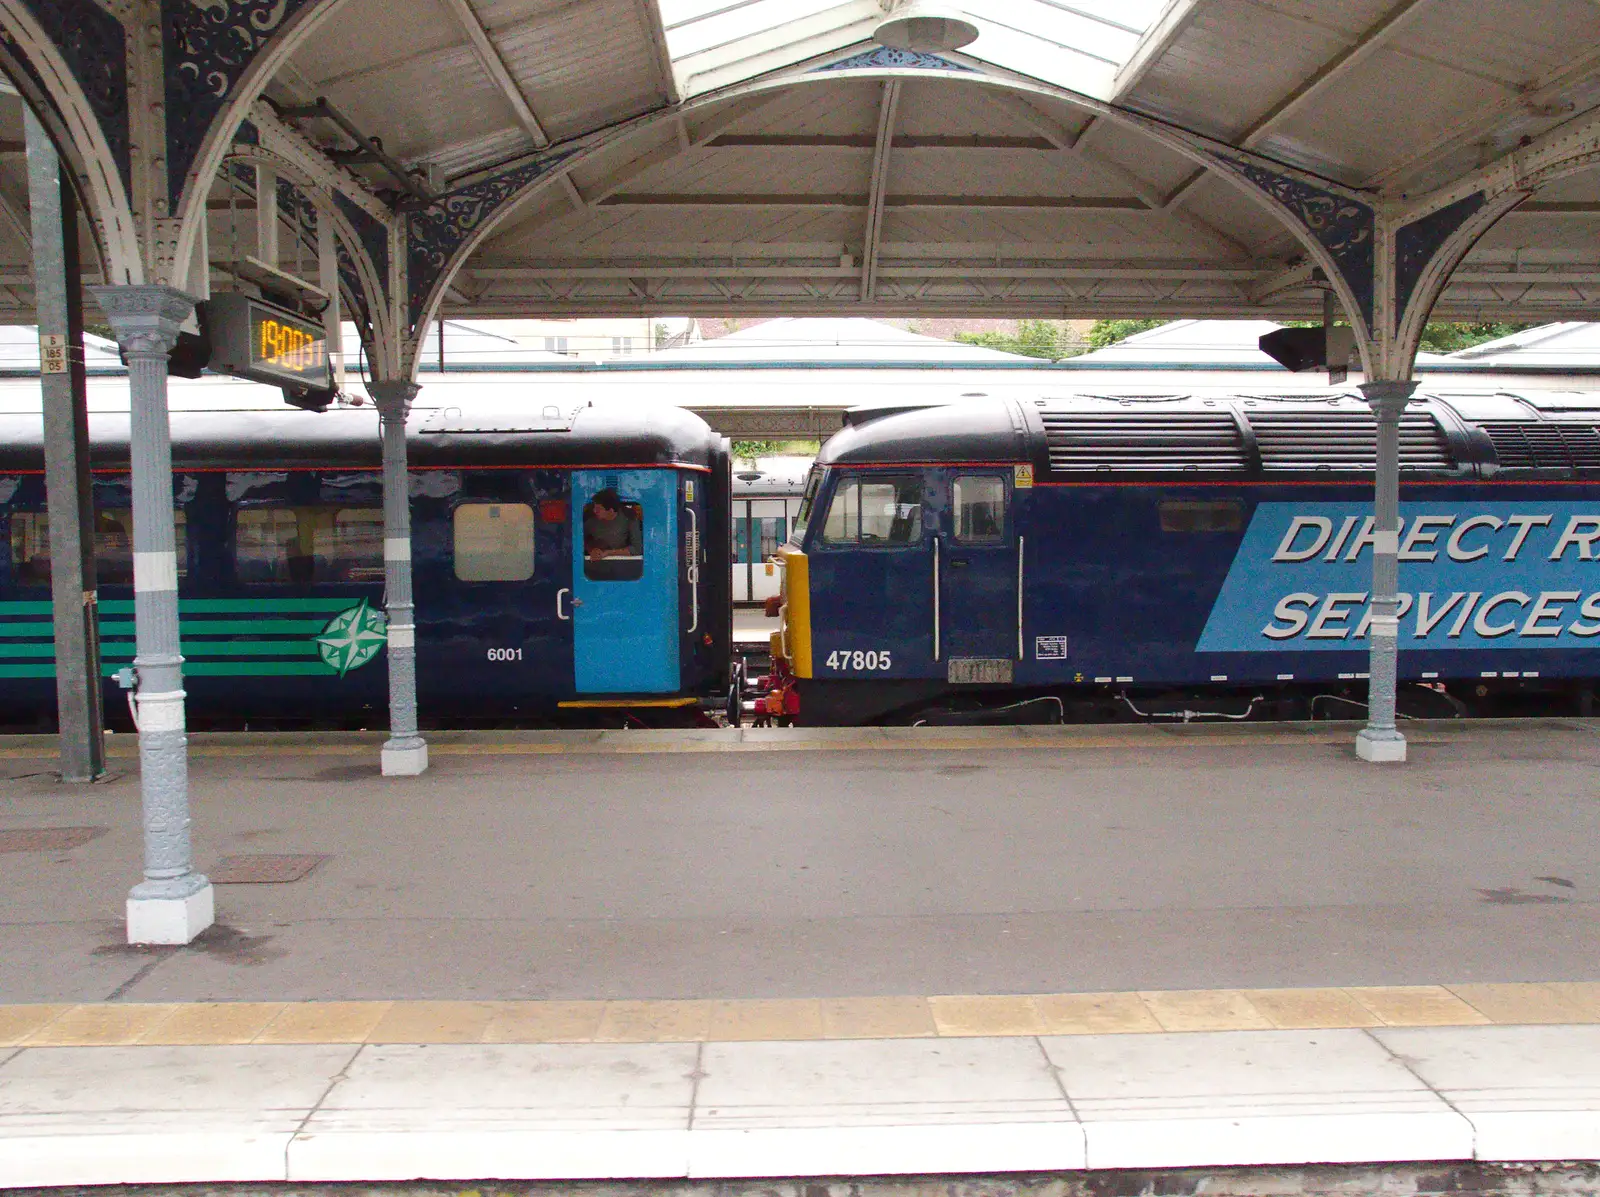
(373, 1113)
(852, 863)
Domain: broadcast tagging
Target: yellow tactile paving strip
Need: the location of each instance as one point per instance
(821, 739)
(226, 1023)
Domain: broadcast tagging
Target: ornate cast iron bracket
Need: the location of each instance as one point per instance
(209, 45)
(438, 232)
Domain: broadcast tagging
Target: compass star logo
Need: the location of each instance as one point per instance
(352, 638)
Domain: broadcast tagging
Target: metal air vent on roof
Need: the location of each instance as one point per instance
(452, 420)
(1140, 440)
(1345, 440)
(1530, 445)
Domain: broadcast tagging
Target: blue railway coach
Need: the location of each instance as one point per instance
(280, 551)
(1114, 550)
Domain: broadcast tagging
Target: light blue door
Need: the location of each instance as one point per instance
(625, 604)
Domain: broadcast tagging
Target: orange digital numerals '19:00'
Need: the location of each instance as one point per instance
(290, 348)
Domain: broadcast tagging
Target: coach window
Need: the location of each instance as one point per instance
(980, 508)
(494, 542)
(876, 511)
(303, 546)
(30, 548)
(113, 547)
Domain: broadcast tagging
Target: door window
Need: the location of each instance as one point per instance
(613, 538)
(980, 509)
(494, 542)
(878, 511)
(770, 533)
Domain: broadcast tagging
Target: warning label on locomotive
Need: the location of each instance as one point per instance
(1479, 575)
(1050, 648)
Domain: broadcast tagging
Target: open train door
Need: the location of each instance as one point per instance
(624, 603)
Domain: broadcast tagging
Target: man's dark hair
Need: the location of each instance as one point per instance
(608, 499)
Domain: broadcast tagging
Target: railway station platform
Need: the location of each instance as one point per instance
(1076, 951)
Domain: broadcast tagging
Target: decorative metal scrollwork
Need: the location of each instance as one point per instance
(1416, 244)
(443, 227)
(93, 44)
(1345, 227)
(375, 241)
(209, 44)
(884, 56)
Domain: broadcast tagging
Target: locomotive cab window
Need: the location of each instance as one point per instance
(493, 542)
(802, 519)
(980, 508)
(875, 511)
(306, 546)
(1202, 515)
(613, 538)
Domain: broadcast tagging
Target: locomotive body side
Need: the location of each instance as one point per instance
(1065, 551)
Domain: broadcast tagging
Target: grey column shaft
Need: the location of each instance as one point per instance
(146, 321)
(58, 302)
(1388, 400)
(393, 400)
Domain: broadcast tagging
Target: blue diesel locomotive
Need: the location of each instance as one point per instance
(562, 563)
(1121, 550)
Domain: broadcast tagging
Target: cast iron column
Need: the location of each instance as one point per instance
(173, 903)
(1379, 740)
(58, 304)
(406, 753)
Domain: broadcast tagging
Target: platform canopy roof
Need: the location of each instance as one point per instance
(769, 157)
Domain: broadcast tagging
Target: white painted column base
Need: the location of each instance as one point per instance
(1382, 748)
(171, 920)
(407, 761)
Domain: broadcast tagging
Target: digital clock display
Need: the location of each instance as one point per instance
(287, 348)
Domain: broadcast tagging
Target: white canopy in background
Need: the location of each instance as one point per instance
(831, 339)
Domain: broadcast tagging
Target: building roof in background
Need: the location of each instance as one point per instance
(831, 339)
(1202, 343)
(1566, 345)
(19, 350)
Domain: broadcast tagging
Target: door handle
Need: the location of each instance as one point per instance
(959, 563)
(575, 602)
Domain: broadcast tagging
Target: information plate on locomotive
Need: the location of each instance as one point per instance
(993, 671)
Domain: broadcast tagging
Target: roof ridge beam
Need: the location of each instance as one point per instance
(280, 138)
(488, 55)
(1174, 20)
(1575, 141)
(888, 110)
(1563, 76)
(1367, 44)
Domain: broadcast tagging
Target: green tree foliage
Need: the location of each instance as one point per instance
(1033, 338)
(1446, 337)
(750, 450)
(1109, 332)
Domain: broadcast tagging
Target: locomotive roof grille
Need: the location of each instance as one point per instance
(1536, 446)
(1147, 441)
(1345, 440)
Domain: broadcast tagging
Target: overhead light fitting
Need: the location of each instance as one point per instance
(925, 26)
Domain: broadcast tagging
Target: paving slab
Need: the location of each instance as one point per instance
(1116, 859)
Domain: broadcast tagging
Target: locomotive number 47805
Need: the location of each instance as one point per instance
(859, 660)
